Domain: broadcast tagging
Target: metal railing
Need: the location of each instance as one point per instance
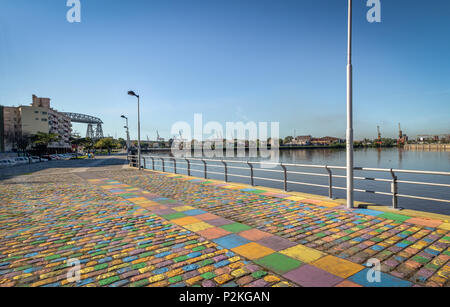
(250, 166)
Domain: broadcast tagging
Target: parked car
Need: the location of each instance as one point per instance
(4, 163)
(21, 160)
(34, 159)
(63, 156)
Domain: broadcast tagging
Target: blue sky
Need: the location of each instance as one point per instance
(232, 60)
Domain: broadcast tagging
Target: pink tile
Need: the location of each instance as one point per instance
(310, 276)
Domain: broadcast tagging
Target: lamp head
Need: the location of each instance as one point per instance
(131, 93)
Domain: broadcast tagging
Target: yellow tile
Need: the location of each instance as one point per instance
(328, 204)
(253, 251)
(303, 253)
(337, 266)
(198, 226)
(183, 208)
(445, 226)
(295, 198)
(232, 187)
(137, 199)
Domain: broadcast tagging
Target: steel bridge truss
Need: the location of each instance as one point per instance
(91, 133)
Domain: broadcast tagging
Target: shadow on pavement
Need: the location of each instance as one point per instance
(29, 169)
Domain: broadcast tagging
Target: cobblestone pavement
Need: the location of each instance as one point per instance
(45, 222)
(411, 250)
(130, 228)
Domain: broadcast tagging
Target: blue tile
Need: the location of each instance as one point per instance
(231, 241)
(368, 212)
(194, 212)
(386, 280)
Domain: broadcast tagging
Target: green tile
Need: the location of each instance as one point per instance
(257, 191)
(420, 259)
(208, 275)
(279, 263)
(394, 217)
(108, 281)
(174, 216)
(236, 227)
(175, 279)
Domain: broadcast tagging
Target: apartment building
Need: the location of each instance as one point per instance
(10, 127)
(32, 119)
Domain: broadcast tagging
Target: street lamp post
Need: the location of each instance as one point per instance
(349, 111)
(128, 133)
(131, 93)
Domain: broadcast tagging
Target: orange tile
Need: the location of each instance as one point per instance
(186, 221)
(254, 234)
(253, 251)
(337, 266)
(213, 233)
(424, 222)
(348, 284)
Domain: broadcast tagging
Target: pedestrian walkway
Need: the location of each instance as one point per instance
(150, 228)
(412, 250)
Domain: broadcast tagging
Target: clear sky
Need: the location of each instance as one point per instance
(232, 60)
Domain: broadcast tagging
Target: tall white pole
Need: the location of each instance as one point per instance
(349, 111)
(139, 136)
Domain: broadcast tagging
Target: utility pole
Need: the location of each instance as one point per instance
(350, 178)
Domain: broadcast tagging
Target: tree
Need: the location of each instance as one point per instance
(87, 143)
(106, 143)
(42, 140)
(78, 142)
(122, 143)
(22, 142)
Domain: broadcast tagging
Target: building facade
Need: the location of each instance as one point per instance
(21, 121)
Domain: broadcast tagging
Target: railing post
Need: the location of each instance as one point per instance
(285, 177)
(252, 182)
(153, 163)
(188, 167)
(163, 166)
(225, 171)
(145, 162)
(394, 190)
(330, 182)
(174, 165)
(206, 169)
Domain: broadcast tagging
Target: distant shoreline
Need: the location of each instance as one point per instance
(340, 146)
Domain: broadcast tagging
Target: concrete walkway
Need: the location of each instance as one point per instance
(131, 228)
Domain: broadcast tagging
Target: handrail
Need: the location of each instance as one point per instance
(250, 165)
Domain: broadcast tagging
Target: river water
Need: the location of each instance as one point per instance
(372, 157)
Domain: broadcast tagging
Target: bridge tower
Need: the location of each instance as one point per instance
(99, 132)
(90, 132)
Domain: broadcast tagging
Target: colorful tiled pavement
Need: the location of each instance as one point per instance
(118, 242)
(132, 228)
(317, 233)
